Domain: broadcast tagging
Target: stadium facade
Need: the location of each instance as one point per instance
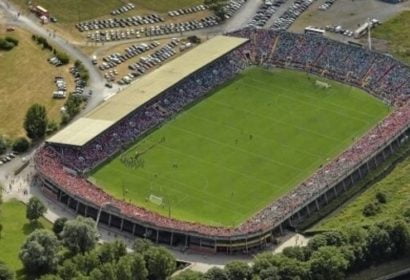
(63, 161)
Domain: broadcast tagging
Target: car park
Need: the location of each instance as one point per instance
(145, 63)
(291, 14)
(151, 31)
(232, 7)
(326, 5)
(123, 9)
(98, 24)
(264, 13)
(186, 11)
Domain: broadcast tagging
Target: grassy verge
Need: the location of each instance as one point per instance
(72, 11)
(26, 78)
(396, 32)
(15, 230)
(392, 178)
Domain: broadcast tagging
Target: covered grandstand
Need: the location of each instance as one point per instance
(168, 90)
(145, 89)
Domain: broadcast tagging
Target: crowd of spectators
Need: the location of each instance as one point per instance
(379, 74)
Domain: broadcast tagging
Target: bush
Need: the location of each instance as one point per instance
(52, 127)
(42, 41)
(406, 213)
(6, 45)
(65, 119)
(5, 272)
(12, 40)
(72, 106)
(82, 70)
(194, 39)
(381, 197)
(371, 209)
(21, 145)
(58, 225)
(63, 57)
(3, 145)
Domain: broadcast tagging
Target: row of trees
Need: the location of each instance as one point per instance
(70, 251)
(5, 272)
(63, 57)
(329, 255)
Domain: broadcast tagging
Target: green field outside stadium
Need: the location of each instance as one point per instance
(249, 143)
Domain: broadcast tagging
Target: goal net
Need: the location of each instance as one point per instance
(155, 199)
(321, 84)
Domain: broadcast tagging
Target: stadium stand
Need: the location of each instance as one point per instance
(61, 166)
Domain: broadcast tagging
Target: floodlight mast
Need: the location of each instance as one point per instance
(99, 213)
(369, 35)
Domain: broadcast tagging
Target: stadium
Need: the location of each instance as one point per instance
(297, 138)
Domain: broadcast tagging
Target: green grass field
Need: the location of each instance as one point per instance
(15, 230)
(396, 32)
(71, 11)
(396, 186)
(241, 148)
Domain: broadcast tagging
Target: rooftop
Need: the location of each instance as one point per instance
(142, 90)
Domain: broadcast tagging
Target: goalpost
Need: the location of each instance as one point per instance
(156, 199)
(321, 84)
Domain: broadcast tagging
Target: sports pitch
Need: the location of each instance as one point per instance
(242, 147)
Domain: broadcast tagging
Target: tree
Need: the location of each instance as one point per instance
(112, 252)
(52, 126)
(87, 262)
(238, 270)
(8, 43)
(21, 145)
(3, 144)
(270, 273)
(58, 225)
(215, 273)
(159, 262)
(5, 272)
(370, 209)
(35, 209)
(288, 268)
(63, 57)
(124, 268)
(108, 272)
(218, 6)
(297, 253)
(96, 274)
(400, 237)
(72, 106)
(50, 277)
(328, 263)
(35, 122)
(262, 262)
(39, 252)
(381, 197)
(68, 270)
(131, 267)
(79, 235)
(379, 245)
(189, 275)
(141, 245)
